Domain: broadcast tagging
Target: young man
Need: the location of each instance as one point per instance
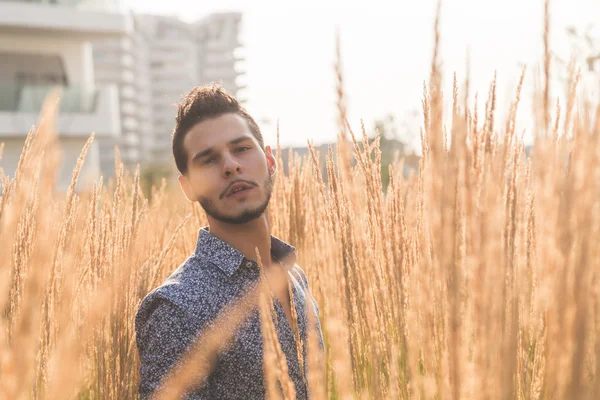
(224, 165)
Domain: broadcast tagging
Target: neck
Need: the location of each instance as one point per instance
(246, 237)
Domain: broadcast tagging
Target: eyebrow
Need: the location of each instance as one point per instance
(208, 151)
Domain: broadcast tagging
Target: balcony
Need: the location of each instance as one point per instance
(159, 57)
(182, 43)
(217, 58)
(82, 110)
(223, 45)
(118, 46)
(114, 75)
(225, 76)
(131, 139)
(113, 60)
(129, 108)
(88, 19)
(173, 89)
(130, 124)
(97, 5)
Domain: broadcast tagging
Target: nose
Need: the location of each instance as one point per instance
(230, 165)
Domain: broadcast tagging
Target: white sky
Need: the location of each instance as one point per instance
(386, 53)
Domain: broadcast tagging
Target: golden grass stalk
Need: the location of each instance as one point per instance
(476, 277)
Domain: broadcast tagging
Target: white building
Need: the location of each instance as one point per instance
(172, 69)
(47, 43)
(161, 60)
(217, 41)
(115, 63)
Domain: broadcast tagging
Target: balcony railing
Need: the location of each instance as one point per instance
(93, 5)
(57, 2)
(30, 98)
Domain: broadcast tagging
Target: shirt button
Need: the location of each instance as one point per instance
(248, 264)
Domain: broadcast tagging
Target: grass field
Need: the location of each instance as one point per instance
(476, 277)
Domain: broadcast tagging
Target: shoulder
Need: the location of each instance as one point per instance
(156, 311)
(179, 292)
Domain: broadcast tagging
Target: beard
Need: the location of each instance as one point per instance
(246, 216)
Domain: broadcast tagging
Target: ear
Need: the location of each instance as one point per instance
(186, 187)
(271, 161)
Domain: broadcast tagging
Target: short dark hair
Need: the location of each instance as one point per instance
(201, 103)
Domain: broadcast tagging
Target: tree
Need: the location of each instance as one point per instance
(588, 44)
(394, 138)
(585, 50)
(152, 175)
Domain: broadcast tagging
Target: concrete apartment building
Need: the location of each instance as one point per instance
(160, 60)
(216, 38)
(44, 44)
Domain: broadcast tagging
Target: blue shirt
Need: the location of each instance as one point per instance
(171, 316)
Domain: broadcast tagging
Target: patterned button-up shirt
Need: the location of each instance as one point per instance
(171, 316)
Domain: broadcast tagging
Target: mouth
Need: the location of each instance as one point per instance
(239, 189)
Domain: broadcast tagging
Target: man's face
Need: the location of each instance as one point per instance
(224, 155)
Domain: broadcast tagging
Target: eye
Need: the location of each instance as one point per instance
(208, 160)
(243, 148)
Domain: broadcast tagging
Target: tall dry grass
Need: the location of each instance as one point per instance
(476, 278)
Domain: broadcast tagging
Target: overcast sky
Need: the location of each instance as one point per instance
(289, 52)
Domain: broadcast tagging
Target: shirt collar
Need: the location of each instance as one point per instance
(229, 259)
